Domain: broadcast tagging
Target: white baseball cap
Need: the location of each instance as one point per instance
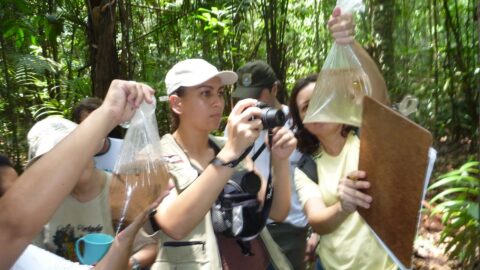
(47, 133)
(193, 72)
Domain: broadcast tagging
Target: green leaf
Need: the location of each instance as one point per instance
(10, 31)
(457, 222)
(473, 209)
(452, 203)
(207, 16)
(203, 10)
(445, 181)
(201, 17)
(460, 180)
(446, 192)
(474, 165)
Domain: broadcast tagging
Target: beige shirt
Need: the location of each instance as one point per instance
(198, 250)
(352, 245)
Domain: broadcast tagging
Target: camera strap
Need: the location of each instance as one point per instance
(267, 203)
(259, 151)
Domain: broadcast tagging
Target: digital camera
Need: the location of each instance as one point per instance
(270, 117)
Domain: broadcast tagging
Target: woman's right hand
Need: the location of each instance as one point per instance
(349, 192)
(243, 127)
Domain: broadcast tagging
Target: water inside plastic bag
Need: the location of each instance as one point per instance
(337, 97)
(140, 175)
(134, 189)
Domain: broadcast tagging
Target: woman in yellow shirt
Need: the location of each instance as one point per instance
(346, 241)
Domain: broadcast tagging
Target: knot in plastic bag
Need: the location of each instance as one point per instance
(350, 5)
(145, 111)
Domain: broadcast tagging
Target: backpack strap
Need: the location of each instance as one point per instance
(213, 145)
(308, 166)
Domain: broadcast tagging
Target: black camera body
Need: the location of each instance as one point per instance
(271, 117)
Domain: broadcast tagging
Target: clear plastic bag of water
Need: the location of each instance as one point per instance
(140, 175)
(341, 84)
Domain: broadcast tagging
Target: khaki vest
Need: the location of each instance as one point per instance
(199, 249)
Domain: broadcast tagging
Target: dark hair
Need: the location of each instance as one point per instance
(5, 161)
(307, 142)
(175, 119)
(88, 104)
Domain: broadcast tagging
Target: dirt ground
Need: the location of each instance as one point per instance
(428, 255)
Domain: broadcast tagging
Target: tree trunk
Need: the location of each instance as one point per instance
(383, 25)
(10, 108)
(53, 44)
(436, 62)
(275, 19)
(316, 12)
(103, 51)
(126, 60)
(478, 27)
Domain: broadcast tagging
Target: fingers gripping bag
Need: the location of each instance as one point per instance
(341, 84)
(140, 175)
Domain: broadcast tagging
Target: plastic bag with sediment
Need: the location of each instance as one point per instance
(140, 175)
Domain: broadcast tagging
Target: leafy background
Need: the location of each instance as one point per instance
(55, 52)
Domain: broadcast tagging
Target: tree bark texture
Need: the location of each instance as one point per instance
(275, 19)
(103, 51)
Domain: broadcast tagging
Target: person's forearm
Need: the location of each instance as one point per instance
(179, 217)
(281, 183)
(116, 258)
(379, 87)
(38, 192)
(326, 220)
(118, 255)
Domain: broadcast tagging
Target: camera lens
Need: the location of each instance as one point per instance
(272, 118)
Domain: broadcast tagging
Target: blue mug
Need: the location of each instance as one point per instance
(95, 246)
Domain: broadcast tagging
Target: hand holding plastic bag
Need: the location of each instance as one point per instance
(341, 84)
(140, 175)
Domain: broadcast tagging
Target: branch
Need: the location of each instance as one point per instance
(152, 8)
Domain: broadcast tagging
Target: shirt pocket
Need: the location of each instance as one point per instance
(181, 252)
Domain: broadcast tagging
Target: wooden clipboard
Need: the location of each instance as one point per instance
(394, 153)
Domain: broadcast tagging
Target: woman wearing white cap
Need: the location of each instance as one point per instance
(200, 170)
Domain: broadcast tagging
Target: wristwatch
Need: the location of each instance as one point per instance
(135, 264)
(218, 162)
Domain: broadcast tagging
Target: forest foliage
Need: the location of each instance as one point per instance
(55, 52)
